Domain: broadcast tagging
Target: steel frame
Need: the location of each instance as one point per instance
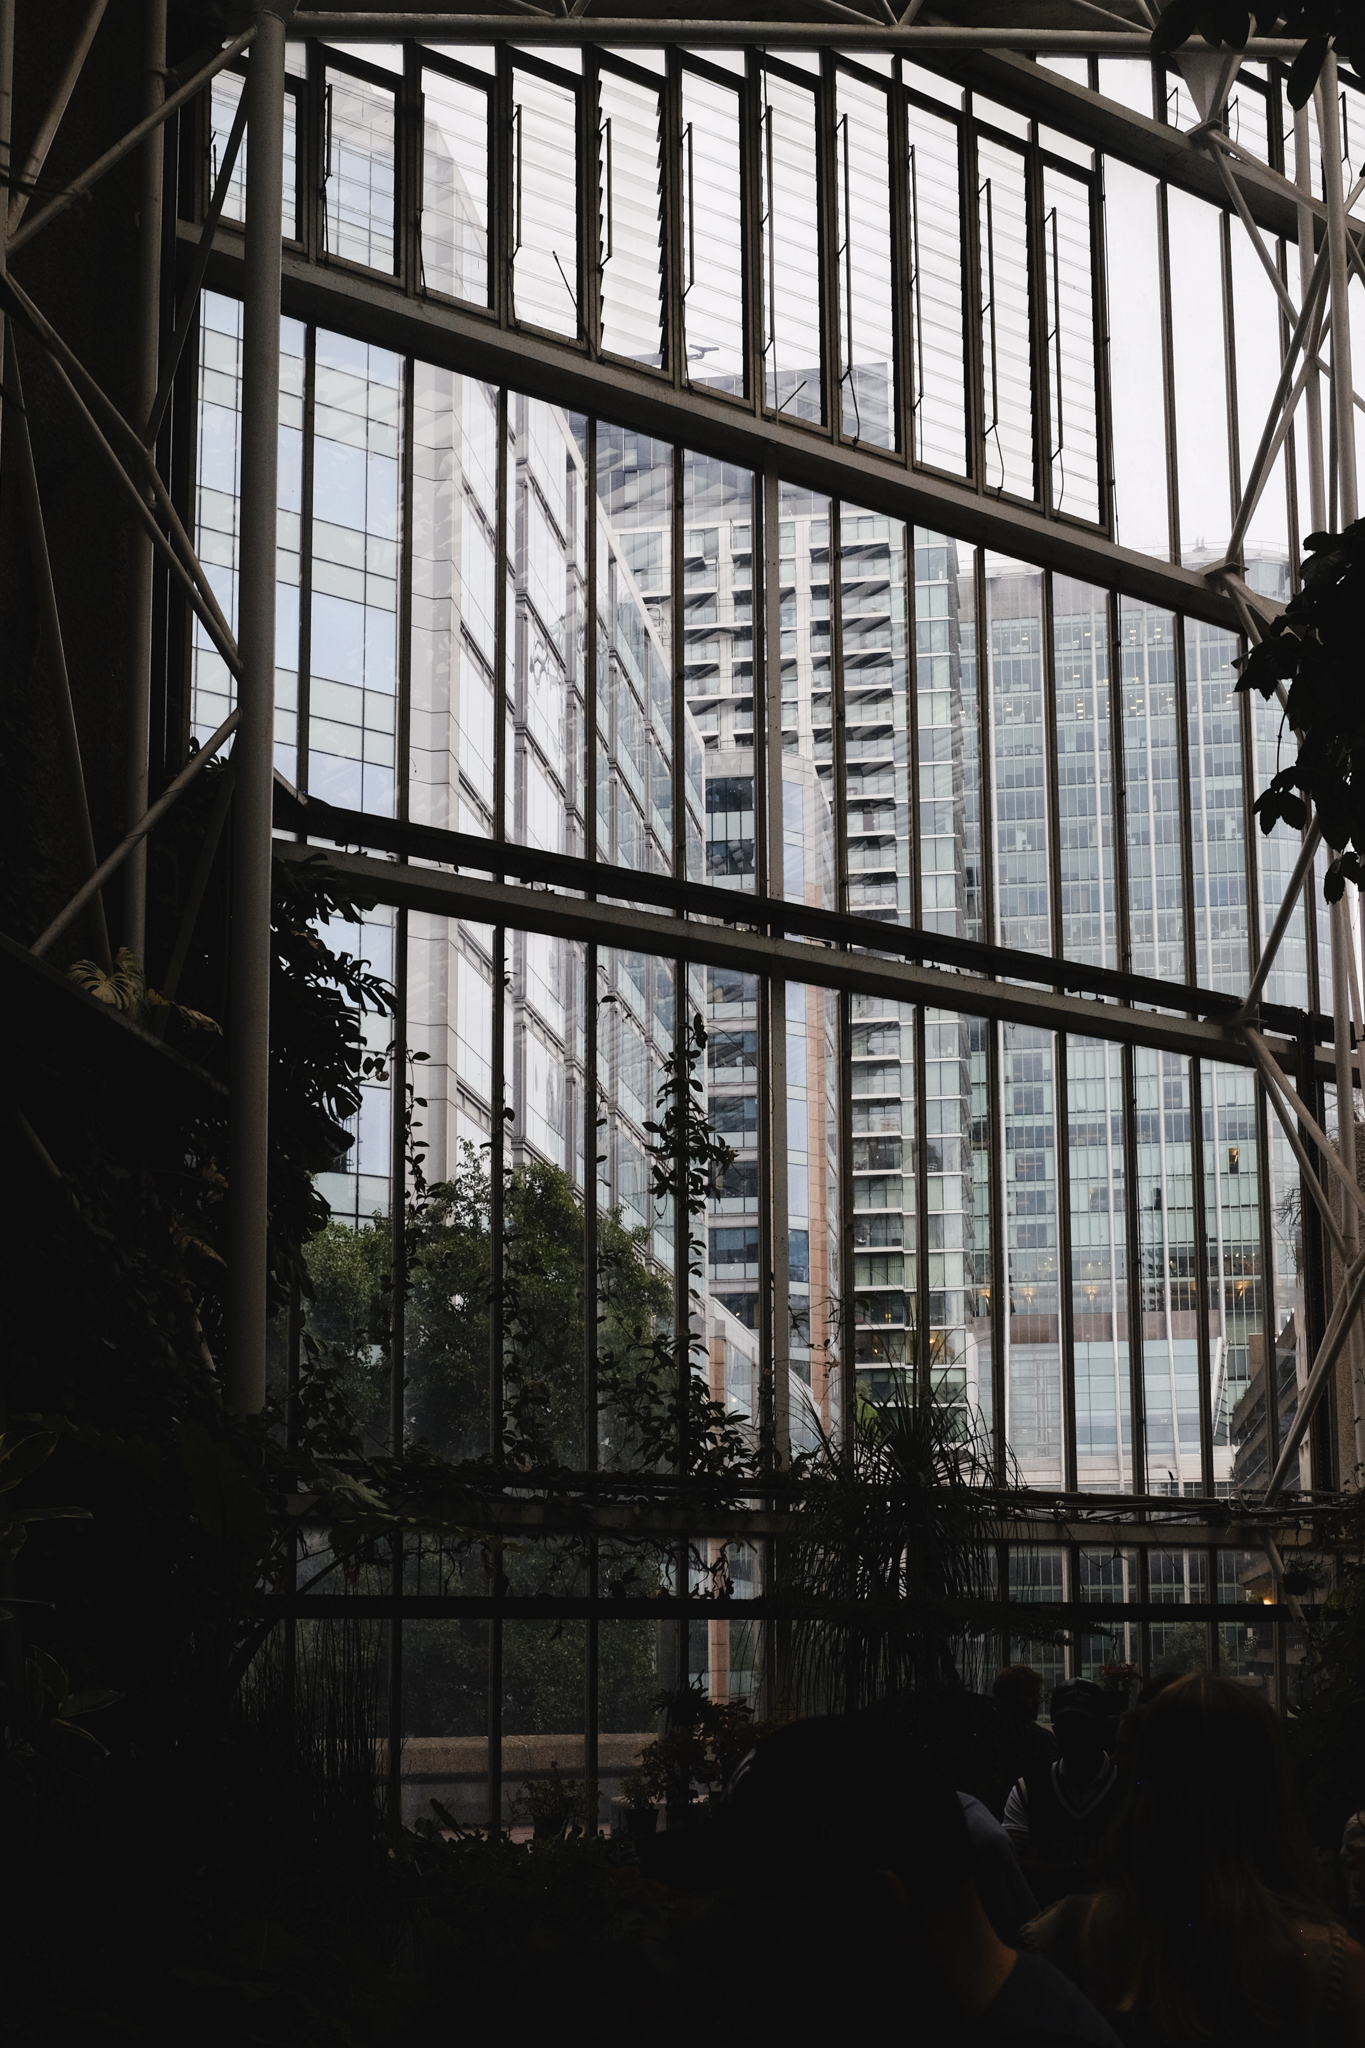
(400, 316)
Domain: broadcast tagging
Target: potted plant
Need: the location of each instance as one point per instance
(638, 1812)
(552, 1806)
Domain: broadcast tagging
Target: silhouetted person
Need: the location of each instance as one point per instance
(1020, 1688)
(1000, 1883)
(844, 1885)
(1210, 1924)
(1057, 1813)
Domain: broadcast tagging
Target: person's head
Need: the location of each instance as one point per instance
(1019, 1687)
(1353, 1849)
(1082, 1723)
(1208, 1865)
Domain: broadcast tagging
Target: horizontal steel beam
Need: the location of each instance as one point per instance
(772, 35)
(1091, 1615)
(752, 952)
(463, 340)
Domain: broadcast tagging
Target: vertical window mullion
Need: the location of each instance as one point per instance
(674, 255)
(754, 238)
(1168, 373)
(834, 314)
(1066, 1326)
(902, 312)
(1041, 315)
(1137, 1380)
(1201, 1259)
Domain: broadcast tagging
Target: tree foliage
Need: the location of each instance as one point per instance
(1314, 646)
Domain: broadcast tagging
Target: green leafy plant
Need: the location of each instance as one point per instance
(1223, 24)
(552, 1804)
(1314, 646)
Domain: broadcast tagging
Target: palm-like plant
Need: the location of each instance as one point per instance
(891, 1577)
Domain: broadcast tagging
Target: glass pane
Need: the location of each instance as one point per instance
(225, 98)
(1099, 1266)
(349, 1263)
(1129, 81)
(445, 1716)
(1136, 354)
(360, 190)
(872, 611)
(814, 1227)
(217, 519)
(718, 670)
(1219, 822)
(632, 220)
(451, 976)
(885, 1268)
(937, 304)
(545, 800)
(791, 242)
(1276, 855)
(1163, 1173)
(352, 695)
(1014, 603)
(634, 650)
(1233, 1230)
(1085, 793)
(545, 204)
(949, 736)
(866, 333)
(807, 716)
(1291, 1356)
(1201, 406)
(957, 1241)
(455, 188)
(713, 278)
(1002, 217)
(1071, 346)
(1258, 354)
(1033, 1356)
(1151, 764)
(454, 517)
(731, 1279)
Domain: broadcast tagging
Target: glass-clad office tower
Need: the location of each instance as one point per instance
(753, 528)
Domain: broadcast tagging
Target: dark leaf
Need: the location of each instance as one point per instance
(1303, 72)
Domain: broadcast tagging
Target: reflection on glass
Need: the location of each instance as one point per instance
(1085, 796)
(1033, 1355)
(213, 691)
(1164, 1191)
(1070, 316)
(938, 371)
(455, 188)
(631, 226)
(885, 1239)
(1099, 1266)
(807, 714)
(360, 190)
(545, 631)
(1276, 854)
(813, 1215)
(866, 335)
(872, 614)
(1233, 1231)
(713, 251)
(445, 1712)
(352, 697)
(949, 736)
(791, 241)
(1199, 375)
(1218, 824)
(1151, 765)
(225, 98)
(357, 1188)
(1136, 349)
(634, 652)
(957, 1242)
(1014, 600)
(454, 555)
(1002, 219)
(718, 656)
(545, 203)
(731, 1277)
(1285, 1372)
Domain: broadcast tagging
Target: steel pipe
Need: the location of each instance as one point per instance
(254, 753)
(137, 724)
(1329, 1350)
(22, 189)
(1329, 130)
(1280, 1082)
(774, 35)
(139, 831)
(92, 175)
(51, 631)
(1285, 912)
(189, 305)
